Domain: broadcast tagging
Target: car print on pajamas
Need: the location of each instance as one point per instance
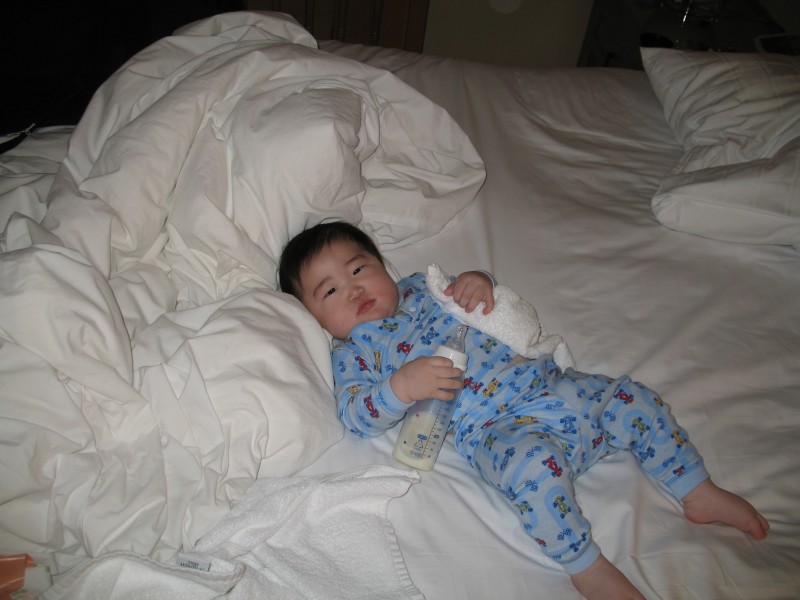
(626, 398)
(371, 407)
(679, 439)
(551, 464)
(491, 388)
(389, 326)
(471, 384)
(640, 425)
(559, 502)
(525, 420)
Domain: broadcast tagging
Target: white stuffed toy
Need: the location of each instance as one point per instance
(513, 320)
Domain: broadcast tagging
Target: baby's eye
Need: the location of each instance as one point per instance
(357, 270)
(330, 292)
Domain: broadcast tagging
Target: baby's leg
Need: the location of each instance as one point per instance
(604, 581)
(644, 424)
(527, 465)
(708, 503)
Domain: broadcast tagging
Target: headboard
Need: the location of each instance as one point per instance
(389, 23)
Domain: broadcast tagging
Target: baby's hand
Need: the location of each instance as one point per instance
(426, 377)
(470, 289)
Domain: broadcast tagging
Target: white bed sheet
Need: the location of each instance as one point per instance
(572, 159)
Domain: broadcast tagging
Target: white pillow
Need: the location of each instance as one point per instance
(738, 118)
(246, 383)
(218, 151)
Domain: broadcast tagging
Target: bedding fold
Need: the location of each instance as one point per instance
(288, 539)
(209, 161)
(151, 372)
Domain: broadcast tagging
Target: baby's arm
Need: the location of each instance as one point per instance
(366, 403)
(369, 402)
(470, 289)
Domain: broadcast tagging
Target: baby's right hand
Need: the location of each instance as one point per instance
(470, 289)
(426, 377)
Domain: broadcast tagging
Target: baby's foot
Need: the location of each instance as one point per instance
(708, 503)
(603, 581)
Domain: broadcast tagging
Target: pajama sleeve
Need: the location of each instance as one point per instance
(365, 400)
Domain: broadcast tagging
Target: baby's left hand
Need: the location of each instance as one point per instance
(470, 289)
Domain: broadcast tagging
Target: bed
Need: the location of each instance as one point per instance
(167, 420)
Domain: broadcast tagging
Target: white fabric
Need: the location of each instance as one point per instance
(573, 157)
(27, 172)
(217, 147)
(128, 576)
(145, 449)
(318, 537)
(149, 371)
(286, 539)
(738, 118)
(512, 320)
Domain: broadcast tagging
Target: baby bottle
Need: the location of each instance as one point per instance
(425, 426)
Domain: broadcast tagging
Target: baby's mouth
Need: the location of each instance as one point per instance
(365, 306)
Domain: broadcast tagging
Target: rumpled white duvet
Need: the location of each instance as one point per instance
(149, 371)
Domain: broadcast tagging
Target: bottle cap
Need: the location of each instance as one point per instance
(459, 358)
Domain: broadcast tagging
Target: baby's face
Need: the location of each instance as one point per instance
(343, 285)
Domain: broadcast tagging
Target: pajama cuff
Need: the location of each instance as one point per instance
(490, 276)
(688, 481)
(584, 561)
(390, 401)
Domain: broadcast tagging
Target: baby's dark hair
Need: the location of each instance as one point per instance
(307, 244)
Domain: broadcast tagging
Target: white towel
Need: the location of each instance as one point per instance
(318, 537)
(131, 576)
(294, 538)
(513, 320)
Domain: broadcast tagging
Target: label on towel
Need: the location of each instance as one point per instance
(193, 562)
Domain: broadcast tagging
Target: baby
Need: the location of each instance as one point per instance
(527, 427)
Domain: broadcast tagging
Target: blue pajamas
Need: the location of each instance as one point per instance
(527, 428)
(536, 445)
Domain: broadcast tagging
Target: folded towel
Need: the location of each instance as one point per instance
(513, 320)
(318, 537)
(290, 538)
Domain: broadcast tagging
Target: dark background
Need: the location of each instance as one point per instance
(55, 53)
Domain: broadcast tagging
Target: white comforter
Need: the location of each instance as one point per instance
(150, 373)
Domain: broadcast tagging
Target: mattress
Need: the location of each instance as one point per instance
(573, 158)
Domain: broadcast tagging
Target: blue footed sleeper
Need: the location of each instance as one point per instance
(527, 427)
